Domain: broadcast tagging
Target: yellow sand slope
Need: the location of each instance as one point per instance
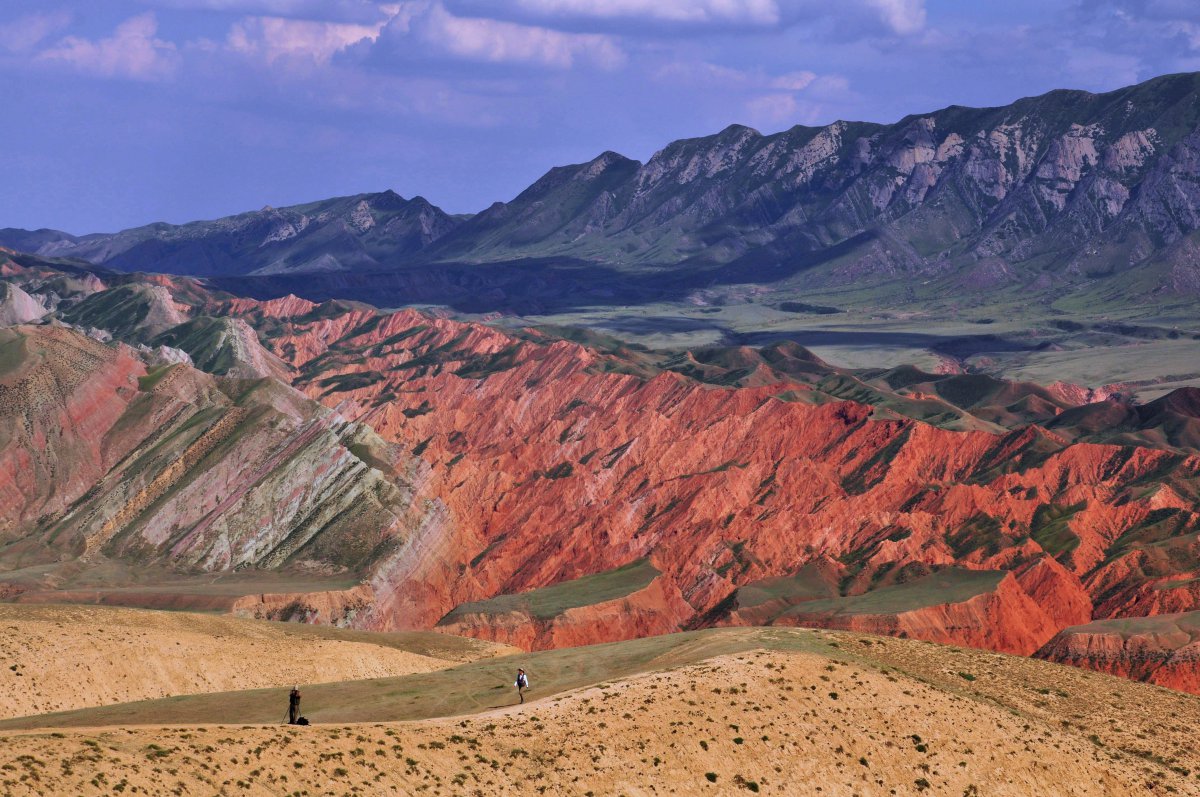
(55, 658)
(858, 717)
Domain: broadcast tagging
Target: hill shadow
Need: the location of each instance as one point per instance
(530, 286)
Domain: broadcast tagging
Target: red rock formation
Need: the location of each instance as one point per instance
(1002, 618)
(61, 396)
(101, 458)
(1163, 650)
(332, 607)
(531, 445)
(655, 609)
(456, 462)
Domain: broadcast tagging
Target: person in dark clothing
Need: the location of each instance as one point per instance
(294, 706)
(522, 684)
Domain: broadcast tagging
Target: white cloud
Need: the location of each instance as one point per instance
(772, 108)
(133, 51)
(364, 11)
(849, 19)
(794, 81)
(716, 76)
(758, 12)
(23, 34)
(495, 41)
(902, 16)
(273, 38)
(769, 100)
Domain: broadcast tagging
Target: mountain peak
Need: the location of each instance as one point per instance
(608, 157)
(737, 130)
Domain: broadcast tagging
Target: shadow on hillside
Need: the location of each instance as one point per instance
(531, 286)
(959, 346)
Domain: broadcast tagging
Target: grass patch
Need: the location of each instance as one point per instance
(552, 601)
(1050, 527)
(952, 585)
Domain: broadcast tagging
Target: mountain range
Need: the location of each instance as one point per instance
(210, 416)
(1065, 193)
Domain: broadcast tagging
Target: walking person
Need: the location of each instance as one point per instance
(294, 706)
(522, 683)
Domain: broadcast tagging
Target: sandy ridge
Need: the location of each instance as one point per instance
(54, 658)
(758, 722)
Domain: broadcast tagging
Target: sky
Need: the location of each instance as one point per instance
(118, 113)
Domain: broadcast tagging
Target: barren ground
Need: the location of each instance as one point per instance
(806, 712)
(54, 658)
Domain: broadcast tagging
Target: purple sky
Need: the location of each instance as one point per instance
(122, 112)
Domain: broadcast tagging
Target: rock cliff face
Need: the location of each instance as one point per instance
(17, 306)
(534, 444)
(1096, 184)
(993, 613)
(1163, 649)
(532, 489)
(1014, 612)
(329, 607)
(103, 457)
(649, 610)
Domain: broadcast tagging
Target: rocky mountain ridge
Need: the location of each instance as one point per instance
(1058, 193)
(361, 232)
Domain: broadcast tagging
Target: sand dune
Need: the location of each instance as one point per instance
(54, 658)
(849, 716)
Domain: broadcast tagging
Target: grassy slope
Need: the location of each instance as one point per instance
(1187, 623)
(465, 689)
(806, 585)
(554, 600)
(947, 586)
(877, 332)
(55, 658)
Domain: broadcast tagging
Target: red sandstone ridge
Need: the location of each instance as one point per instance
(1163, 650)
(979, 608)
(458, 472)
(627, 603)
(1012, 612)
(540, 445)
